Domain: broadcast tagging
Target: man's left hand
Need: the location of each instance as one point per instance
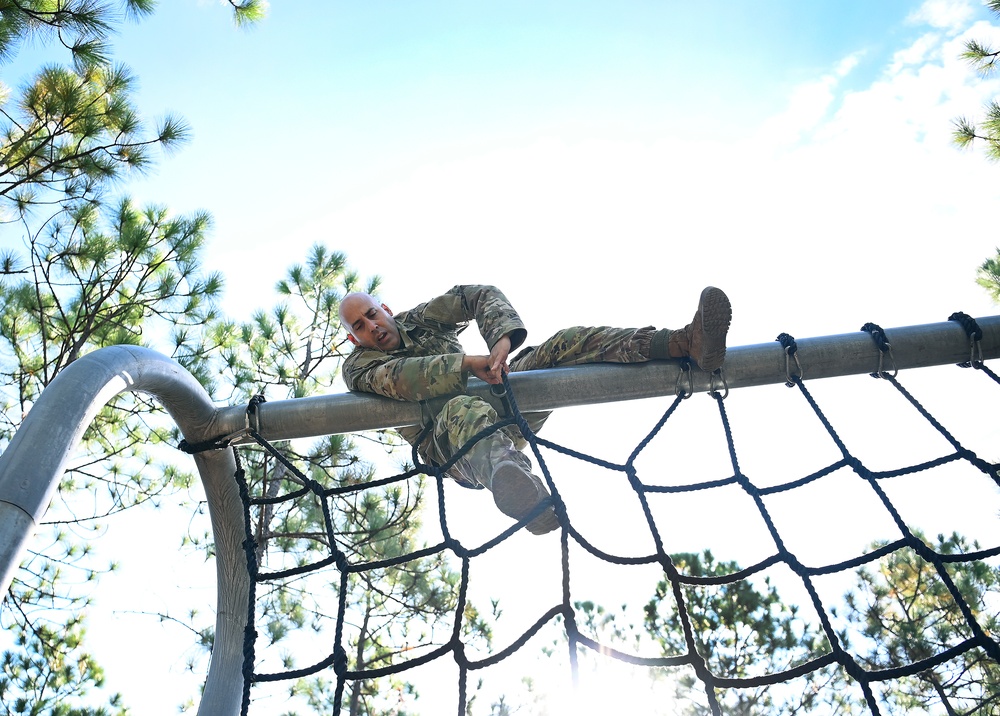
(498, 360)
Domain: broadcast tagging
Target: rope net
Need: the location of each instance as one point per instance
(927, 608)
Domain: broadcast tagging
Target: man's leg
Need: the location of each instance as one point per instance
(703, 340)
(582, 344)
(494, 462)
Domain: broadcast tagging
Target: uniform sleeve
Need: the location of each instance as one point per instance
(402, 378)
(486, 305)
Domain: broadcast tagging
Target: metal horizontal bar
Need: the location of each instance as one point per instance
(761, 364)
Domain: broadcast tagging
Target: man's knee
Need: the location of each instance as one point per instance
(465, 415)
(561, 348)
(466, 406)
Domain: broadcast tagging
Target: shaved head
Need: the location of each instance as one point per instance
(369, 323)
(353, 301)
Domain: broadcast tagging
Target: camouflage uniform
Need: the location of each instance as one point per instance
(427, 367)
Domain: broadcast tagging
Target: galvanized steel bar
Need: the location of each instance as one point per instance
(761, 364)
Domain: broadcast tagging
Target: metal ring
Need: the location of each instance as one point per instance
(678, 390)
(252, 407)
(228, 440)
(722, 375)
(788, 367)
(881, 357)
(975, 346)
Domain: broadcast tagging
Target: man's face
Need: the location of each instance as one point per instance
(371, 325)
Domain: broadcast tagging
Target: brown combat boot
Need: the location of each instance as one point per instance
(516, 492)
(704, 339)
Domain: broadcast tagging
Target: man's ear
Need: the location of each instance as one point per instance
(386, 309)
(352, 339)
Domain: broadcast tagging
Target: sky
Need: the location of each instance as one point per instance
(771, 154)
(599, 162)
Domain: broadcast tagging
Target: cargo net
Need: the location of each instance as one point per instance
(714, 637)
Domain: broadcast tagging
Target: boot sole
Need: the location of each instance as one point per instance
(516, 493)
(545, 522)
(716, 315)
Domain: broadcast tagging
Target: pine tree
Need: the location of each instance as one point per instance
(905, 613)
(742, 631)
(967, 132)
(94, 278)
(983, 58)
(739, 629)
(82, 269)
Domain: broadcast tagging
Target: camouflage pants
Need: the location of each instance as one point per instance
(464, 416)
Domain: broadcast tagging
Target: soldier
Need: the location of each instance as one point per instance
(416, 355)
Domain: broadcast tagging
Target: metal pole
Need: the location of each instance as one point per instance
(761, 364)
(34, 461)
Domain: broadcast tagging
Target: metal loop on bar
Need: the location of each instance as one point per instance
(791, 352)
(884, 348)
(975, 349)
(791, 355)
(678, 389)
(975, 334)
(252, 417)
(227, 440)
(881, 360)
(722, 376)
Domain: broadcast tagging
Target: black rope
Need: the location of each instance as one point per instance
(972, 329)
(250, 550)
(219, 443)
(878, 335)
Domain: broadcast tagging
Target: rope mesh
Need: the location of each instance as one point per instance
(838, 655)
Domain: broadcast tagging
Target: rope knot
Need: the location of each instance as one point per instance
(339, 661)
(972, 329)
(787, 342)
(878, 335)
(975, 334)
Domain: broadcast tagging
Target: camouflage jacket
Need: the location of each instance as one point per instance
(428, 362)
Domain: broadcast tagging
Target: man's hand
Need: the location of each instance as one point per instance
(498, 359)
(491, 368)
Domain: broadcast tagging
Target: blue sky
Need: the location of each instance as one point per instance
(600, 162)
(455, 140)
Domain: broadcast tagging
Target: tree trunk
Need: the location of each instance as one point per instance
(359, 664)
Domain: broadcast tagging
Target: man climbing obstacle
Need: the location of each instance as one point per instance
(416, 355)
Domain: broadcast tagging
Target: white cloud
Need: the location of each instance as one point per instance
(924, 49)
(948, 15)
(847, 65)
(808, 104)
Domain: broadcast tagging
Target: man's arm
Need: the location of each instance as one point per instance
(403, 377)
(487, 306)
(496, 318)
